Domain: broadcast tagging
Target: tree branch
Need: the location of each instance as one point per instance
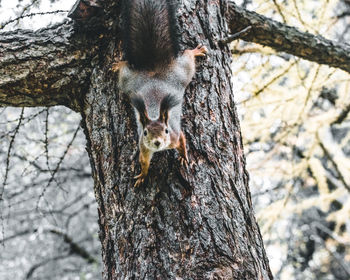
(31, 271)
(343, 115)
(74, 247)
(44, 68)
(288, 39)
(30, 15)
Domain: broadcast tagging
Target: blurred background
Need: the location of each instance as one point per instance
(48, 215)
(296, 131)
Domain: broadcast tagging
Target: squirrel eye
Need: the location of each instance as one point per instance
(166, 131)
(145, 133)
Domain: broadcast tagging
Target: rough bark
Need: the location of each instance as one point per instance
(288, 39)
(44, 68)
(182, 224)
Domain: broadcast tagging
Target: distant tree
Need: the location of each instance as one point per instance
(295, 122)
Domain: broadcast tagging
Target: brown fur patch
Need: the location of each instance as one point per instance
(156, 129)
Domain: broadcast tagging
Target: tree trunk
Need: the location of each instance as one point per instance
(194, 223)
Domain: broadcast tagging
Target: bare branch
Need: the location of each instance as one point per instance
(9, 152)
(17, 234)
(58, 165)
(42, 263)
(31, 15)
(235, 36)
(335, 165)
(7, 169)
(343, 115)
(74, 247)
(342, 15)
(288, 39)
(278, 7)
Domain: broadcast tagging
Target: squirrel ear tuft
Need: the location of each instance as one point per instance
(166, 104)
(140, 106)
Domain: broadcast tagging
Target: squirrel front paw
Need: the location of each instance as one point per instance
(116, 66)
(140, 179)
(184, 161)
(200, 50)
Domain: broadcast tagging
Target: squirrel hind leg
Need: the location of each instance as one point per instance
(181, 148)
(145, 160)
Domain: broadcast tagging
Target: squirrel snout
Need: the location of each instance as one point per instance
(157, 143)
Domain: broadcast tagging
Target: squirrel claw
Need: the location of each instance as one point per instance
(140, 179)
(184, 162)
(118, 65)
(200, 50)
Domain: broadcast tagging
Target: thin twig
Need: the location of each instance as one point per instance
(46, 141)
(235, 36)
(2, 26)
(342, 15)
(280, 11)
(7, 171)
(42, 263)
(29, 118)
(256, 93)
(9, 153)
(342, 116)
(57, 166)
(335, 165)
(24, 121)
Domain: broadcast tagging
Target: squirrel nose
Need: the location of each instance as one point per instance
(157, 143)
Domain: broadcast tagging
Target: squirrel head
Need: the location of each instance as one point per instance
(156, 136)
(156, 133)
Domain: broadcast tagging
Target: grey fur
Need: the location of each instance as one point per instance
(154, 89)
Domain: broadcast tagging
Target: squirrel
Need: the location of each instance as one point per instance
(155, 77)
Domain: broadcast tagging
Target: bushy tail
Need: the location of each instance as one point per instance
(168, 102)
(150, 33)
(140, 106)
